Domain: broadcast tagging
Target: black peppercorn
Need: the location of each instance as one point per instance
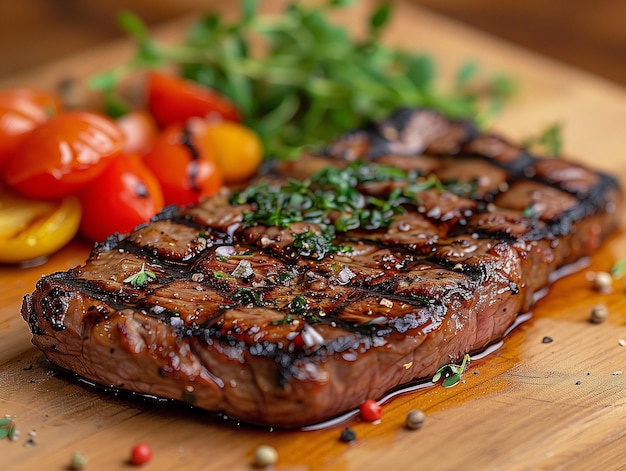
(348, 435)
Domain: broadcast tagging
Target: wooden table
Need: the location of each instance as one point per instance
(528, 405)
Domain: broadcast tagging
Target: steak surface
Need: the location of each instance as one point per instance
(404, 246)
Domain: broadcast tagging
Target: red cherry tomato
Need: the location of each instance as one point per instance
(125, 195)
(371, 410)
(62, 155)
(140, 130)
(184, 164)
(172, 100)
(21, 111)
(140, 454)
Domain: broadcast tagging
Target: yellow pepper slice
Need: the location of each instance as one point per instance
(31, 229)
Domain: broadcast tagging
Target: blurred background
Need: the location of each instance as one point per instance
(588, 35)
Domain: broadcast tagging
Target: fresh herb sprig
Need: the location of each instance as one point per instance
(451, 373)
(246, 296)
(137, 280)
(300, 306)
(549, 141)
(618, 270)
(7, 428)
(317, 246)
(300, 79)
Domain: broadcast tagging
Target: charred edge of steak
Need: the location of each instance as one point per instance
(32, 315)
(594, 202)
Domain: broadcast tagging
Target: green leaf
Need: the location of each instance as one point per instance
(619, 269)
(285, 320)
(341, 3)
(104, 81)
(249, 9)
(380, 18)
(140, 278)
(246, 297)
(451, 380)
(132, 24)
(115, 106)
(421, 71)
(422, 300)
(466, 73)
(503, 86)
(548, 141)
(148, 55)
(451, 373)
(204, 30)
(299, 304)
(530, 211)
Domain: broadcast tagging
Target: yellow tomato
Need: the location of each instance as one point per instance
(237, 149)
(30, 229)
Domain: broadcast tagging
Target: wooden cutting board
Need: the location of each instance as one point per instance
(528, 405)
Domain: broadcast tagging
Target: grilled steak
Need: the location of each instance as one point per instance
(407, 244)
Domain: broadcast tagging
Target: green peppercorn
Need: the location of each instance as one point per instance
(78, 461)
(265, 455)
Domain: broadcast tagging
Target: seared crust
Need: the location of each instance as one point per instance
(238, 321)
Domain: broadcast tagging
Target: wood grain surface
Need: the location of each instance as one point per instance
(528, 405)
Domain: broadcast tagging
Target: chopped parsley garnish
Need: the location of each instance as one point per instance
(333, 199)
(460, 188)
(287, 277)
(309, 244)
(422, 300)
(141, 277)
(285, 320)
(299, 305)
(330, 190)
(530, 211)
(221, 275)
(249, 297)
